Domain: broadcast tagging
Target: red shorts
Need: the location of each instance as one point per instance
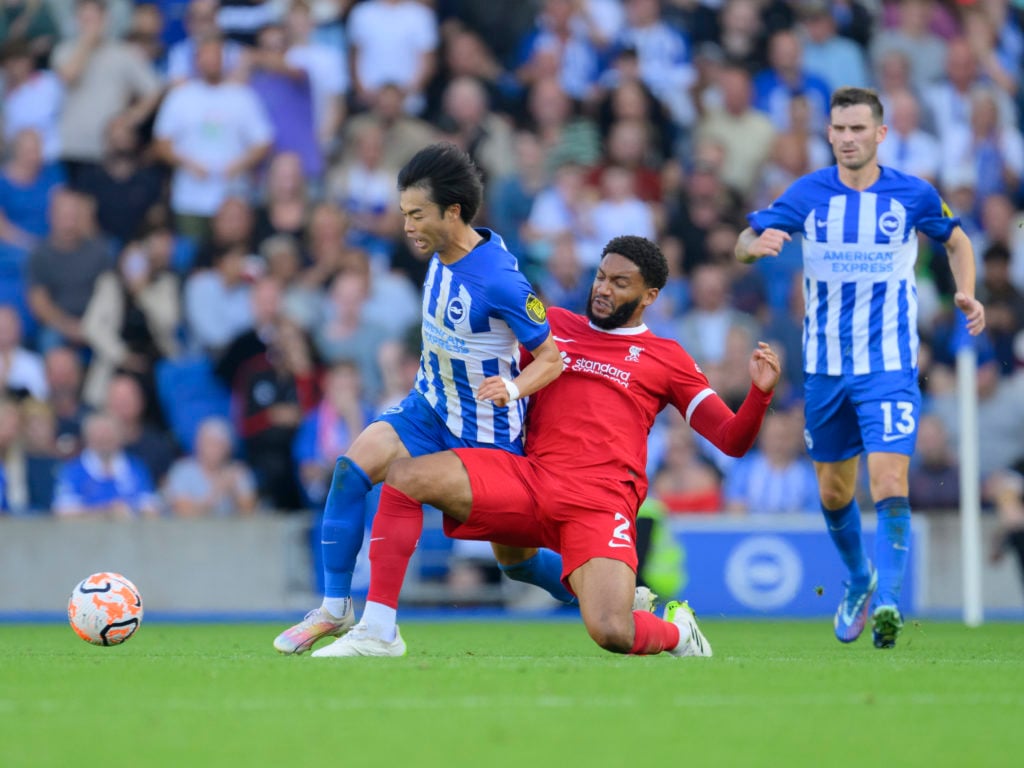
(519, 503)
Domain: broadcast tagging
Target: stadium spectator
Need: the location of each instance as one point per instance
(1006, 489)
(272, 393)
(949, 99)
(1004, 304)
(511, 197)
(27, 182)
(254, 340)
(103, 77)
(124, 185)
(132, 319)
(364, 188)
(328, 430)
(561, 208)
(742, 34)
(31, 24)
(40, 461)
(327, 67)
(705, 326)
(348, 331)
(200, 24)
(908, 148)
(784, 79)
(467, 121)
(242, 20)
(286, 92)
(404, 134)
(21, 369)
(663, 57)
(62, 271)
(988, 151)
(628, 145)
(911, 36)
(684, 479)
(216, 301)
(934, 477)
(777, 476)
(64, 376)
(283, 261)
(142, 430)
(104, 481)
(209, 483)
(559, 46)
(702, 202)
(630, 101)
(565, 282)
(232, 226)
(32, 98)
(1000, 414)
(213, 133)
(11, 498)
(835, 59)
(564, 135)
(465, 54)
(393, 42)
(618, 209)
(286, 202)
(145, 32)
(399, 362)
(745, 133)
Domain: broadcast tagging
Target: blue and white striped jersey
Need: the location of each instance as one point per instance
(859, 252)
(476, 312)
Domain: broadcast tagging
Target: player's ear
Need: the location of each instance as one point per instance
(452, 212)
(650, 294)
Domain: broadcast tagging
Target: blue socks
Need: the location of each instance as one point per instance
(844, 528)
(344, 522)
(892, 545)
(543, 570)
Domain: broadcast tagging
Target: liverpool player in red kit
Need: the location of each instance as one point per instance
(578, 488)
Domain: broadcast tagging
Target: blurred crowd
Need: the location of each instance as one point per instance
(205, 292)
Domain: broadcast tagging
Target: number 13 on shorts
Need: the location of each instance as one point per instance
(899, 426)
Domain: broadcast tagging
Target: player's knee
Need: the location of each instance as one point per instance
(612, 632)
(835, 496)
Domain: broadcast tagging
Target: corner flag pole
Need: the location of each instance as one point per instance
(970, 484)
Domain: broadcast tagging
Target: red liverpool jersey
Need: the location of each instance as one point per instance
(594, 419)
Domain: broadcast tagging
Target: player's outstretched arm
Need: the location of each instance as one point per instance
(751, 246)
(961, 262)
(542, 370)
(735, 433)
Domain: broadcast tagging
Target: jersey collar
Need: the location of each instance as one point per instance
(634, 331)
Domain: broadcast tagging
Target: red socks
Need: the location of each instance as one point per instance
(393, 539)
(652, 635)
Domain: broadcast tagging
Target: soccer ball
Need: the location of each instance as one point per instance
(105, 609)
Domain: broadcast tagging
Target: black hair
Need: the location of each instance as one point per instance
(849, 97)
(645, 254)
(448, 175)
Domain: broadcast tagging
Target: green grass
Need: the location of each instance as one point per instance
(513, 694)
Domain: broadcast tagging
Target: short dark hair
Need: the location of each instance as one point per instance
(448, 175)
(849, 97)
(645, 254)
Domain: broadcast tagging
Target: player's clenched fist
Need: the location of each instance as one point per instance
(768, 243)
(765, 368)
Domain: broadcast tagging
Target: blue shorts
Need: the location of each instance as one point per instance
(848, 415)
(423, 431)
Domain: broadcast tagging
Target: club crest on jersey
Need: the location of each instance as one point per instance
(535, 309)
(890, 224)
(634, 354)
(456, 311)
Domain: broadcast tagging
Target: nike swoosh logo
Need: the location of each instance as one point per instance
(618, 544)
(891, 438)
(377, 538)
(564, 341)
(822, 223)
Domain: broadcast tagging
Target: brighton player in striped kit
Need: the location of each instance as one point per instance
(477, 309)
(859, 223)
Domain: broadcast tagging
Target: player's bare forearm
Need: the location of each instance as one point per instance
(751, 246)
(961, 263)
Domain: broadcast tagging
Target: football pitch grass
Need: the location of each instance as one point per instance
(504, 693)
